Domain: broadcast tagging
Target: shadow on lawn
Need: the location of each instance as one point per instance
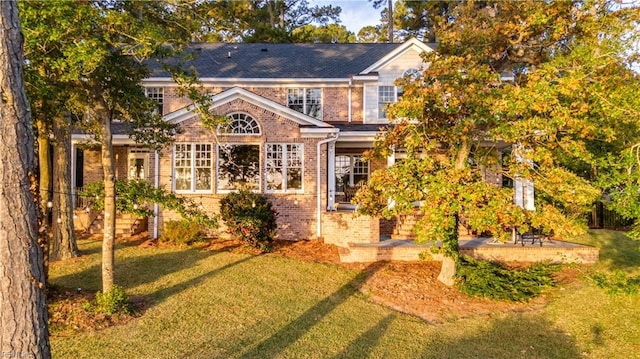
(368, 340)
(617, 249)
(137, 270)
(516, 336)
(290, 333)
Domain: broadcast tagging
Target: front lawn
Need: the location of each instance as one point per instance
(225, 304)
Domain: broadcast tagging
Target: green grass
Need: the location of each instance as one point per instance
(228, 305)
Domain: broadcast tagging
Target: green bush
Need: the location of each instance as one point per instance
(478, 278)
(250, 217)
(182, 232)
(113, 301)
(618, 282)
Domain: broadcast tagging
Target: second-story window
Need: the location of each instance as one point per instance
(306, 100)
(386, 96)
(156, 93)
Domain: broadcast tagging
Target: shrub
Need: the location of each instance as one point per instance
(250, 217)
(113, 301)
(182, 232)
(478, 278)
(618, 282)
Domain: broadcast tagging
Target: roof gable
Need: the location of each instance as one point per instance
(242, 94)
(411, 44)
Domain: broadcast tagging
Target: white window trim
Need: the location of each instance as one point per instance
(224, 191)
(304, 100)
(193, 168)
(284, 168)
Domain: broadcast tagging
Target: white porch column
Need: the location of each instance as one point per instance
(391, 159)
(73, 174)
(156, 184)
(331, 175)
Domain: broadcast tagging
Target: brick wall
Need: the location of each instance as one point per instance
(341, 228)
(335, 100)
(297, 211)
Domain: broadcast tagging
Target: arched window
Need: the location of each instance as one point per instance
(240, 124)
(413, 73)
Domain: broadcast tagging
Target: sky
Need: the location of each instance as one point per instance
(355, 14)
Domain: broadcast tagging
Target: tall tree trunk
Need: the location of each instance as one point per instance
(450, 244)
(108, 168)
(390, 21)
(23, 307)
(64, 240)
(44, 164)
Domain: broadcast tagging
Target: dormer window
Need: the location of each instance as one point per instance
(306, 100)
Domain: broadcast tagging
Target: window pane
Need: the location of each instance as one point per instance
(274, 167)
(238, 165)
(360, 170)
(294, 178)
(343, 168)
(183, 179)
(314, 103)
(294, 167)
(203, 164)
(295, 99)
(182, 166)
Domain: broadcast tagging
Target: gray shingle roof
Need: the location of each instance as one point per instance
(304, 61)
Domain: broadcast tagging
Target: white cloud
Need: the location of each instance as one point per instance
(355, 14)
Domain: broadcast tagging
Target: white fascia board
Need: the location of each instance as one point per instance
(314, 132)
(358, 136)
(411, 43)
(365, 78)
(256, 82)
(117, 140)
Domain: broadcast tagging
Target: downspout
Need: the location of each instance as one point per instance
(319, 182)
(349, 98)
(156, 184)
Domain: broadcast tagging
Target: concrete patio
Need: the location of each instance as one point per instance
(479, 247)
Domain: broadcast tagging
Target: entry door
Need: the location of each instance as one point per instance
(138, 164)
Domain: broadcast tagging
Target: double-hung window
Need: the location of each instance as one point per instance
(306, 100)
(192, 167)
(386, 96)
(157, 94)
(284, 167)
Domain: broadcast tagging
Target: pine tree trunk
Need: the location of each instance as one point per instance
(64, 240)
(23, 308)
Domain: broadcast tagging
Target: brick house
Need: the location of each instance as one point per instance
(301, 116)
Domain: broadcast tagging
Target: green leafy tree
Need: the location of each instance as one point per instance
(270, 21)
(98, 57)
(554, 115)
(331, 33)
